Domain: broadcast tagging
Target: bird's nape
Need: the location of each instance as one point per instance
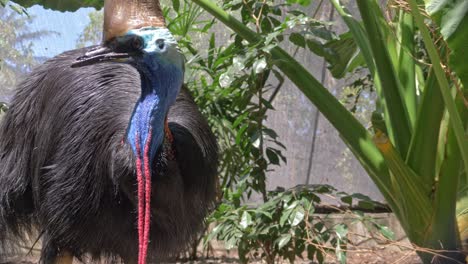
(99, 54)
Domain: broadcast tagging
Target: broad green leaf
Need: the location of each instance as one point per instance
(341, 231)
(347, 199)
(285, 216)
(297, 216)
(343, 55)
(301, 2)
(340, 254)
(452, 17)
(246, 220)
(319, 256)
(260, 65)
(311, 251)
(297, 39)
(272, 156)
(386, 232)
(283, 240)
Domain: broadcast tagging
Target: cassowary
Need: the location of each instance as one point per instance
(103, 152)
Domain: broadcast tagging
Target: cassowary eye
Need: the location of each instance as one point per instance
(137, 43)
(160, 43)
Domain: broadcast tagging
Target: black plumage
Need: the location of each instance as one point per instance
(68, 173)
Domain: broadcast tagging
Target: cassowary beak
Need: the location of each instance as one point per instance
(100, 54)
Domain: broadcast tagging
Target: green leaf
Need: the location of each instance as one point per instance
(297, 39)
(259, 65)
(301, 2)
(452, 17)
(246, 220)
(366, 205)
(343, 55)
(311, 251)
(285, 216)
(283, 240)
(347, 199)
(297, 216)
(231, 242)
(373, 21)
(176, 5)
(340, 254)
(272, 156)
(341, 231)
(386, 232)
(319, 256)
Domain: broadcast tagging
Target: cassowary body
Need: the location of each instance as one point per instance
(68, 169)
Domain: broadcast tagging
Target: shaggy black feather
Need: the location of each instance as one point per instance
(67, 172)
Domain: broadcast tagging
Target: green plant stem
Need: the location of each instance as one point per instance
(354, 134)
(443, 233)
(422, 154)
(456, 122)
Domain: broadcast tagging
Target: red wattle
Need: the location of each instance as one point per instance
(147, 170)
(144, 198)
(140, 199)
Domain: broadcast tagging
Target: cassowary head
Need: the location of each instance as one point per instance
(134, 33)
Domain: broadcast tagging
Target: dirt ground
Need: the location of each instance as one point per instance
(380, 255)
(353, 258)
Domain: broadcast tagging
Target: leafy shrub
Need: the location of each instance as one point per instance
(286, 226)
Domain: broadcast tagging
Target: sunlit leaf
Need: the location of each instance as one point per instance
(452, 17)
(283, 240)
(297, 216)
(386, 232)
(246, 220)
(341, 231)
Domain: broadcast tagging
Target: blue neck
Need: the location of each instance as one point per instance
(159, 88)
